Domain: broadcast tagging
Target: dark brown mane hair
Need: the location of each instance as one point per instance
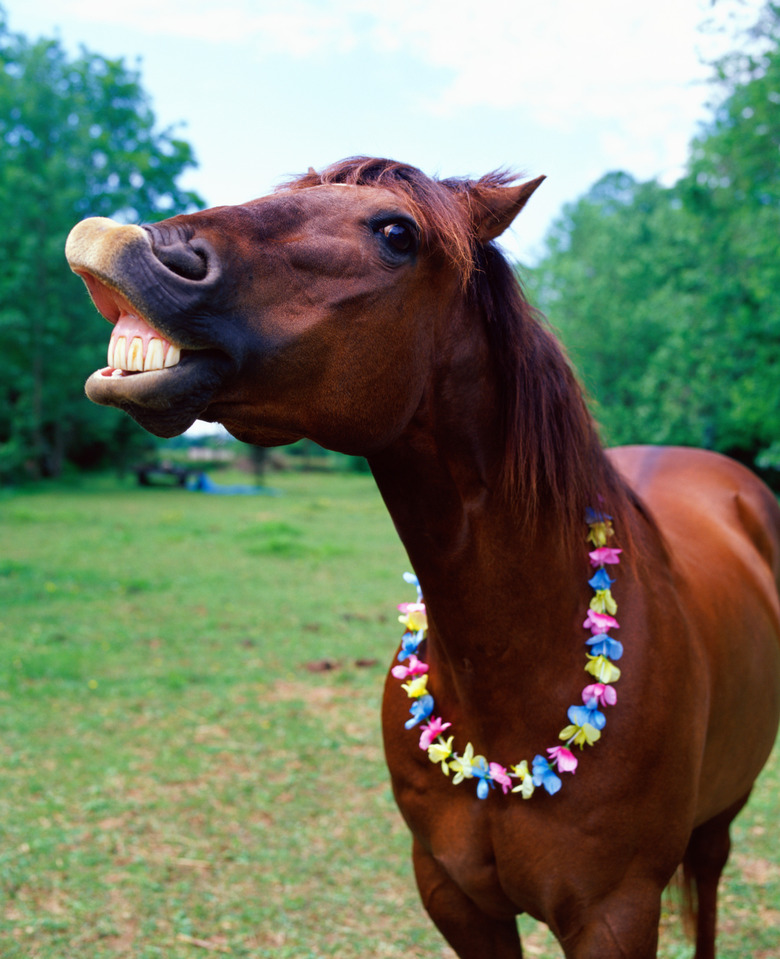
(554, 459)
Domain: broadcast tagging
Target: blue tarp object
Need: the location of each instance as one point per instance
(203, 483)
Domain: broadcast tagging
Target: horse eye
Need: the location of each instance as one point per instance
(400, 237)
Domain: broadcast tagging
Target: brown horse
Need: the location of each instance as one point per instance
(367, 308)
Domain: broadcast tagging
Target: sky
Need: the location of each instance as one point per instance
(263, 89)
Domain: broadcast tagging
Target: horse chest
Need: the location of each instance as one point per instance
(505, 855)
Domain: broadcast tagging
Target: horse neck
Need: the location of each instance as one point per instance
(480, 565)
(497, 579)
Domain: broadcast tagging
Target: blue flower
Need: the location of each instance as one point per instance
(410, 643)
(580, 715)
(595, 516)
(481, 772)
(543, 775)
(420, 709)
(601, 579)
(412, 580)
(603, 645)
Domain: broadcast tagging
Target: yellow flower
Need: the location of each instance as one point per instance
(581, 735)
(416, 687)
(602, 669)
(440, 752)
(462, 765)
(603, 602)
(600, 533)
(414, 617)
(523, 773)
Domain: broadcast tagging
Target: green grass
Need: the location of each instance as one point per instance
(174, 782)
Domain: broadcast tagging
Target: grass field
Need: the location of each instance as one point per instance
(175, 782)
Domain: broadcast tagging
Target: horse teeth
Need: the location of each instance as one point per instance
(154, 355)
(135, 355)
(120, 353)
(172, 357)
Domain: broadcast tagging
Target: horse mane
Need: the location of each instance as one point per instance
(554, 459)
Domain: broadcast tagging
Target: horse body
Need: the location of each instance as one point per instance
(722, 527)
(367, 309)
(688, 742)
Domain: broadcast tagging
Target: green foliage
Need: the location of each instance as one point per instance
(667, 296)
(78, 138)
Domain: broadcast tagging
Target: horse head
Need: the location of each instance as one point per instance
(313, 311)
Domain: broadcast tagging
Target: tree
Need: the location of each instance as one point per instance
(613, 290)
(78, 138)
(733, 190)
(667, 296)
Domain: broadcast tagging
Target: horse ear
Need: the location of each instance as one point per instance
(494, 207)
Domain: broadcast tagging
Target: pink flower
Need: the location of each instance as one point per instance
(499, 774)
(603, 694)
(415, 668)
(432, 731)
(600, 622)
(604, 554)
(567, 761)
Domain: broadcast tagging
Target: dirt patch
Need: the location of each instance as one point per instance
(758, 871)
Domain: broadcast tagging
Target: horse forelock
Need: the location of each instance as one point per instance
(553, 457)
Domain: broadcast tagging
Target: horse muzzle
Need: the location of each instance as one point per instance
(155, 284)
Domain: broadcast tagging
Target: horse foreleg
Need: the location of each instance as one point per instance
(622, 926)
(706, 855)
(472, 933)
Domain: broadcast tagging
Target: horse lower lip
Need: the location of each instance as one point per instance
(153, 386)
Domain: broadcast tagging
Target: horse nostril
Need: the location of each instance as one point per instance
(186, 259)
(183, 260)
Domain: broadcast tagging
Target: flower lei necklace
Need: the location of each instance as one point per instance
(585, 721)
